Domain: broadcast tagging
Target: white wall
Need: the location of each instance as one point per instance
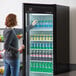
(73, 31)
(15, 6)
(11, 6)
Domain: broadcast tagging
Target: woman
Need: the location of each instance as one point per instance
(11, 55)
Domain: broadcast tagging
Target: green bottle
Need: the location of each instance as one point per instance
(2, 38)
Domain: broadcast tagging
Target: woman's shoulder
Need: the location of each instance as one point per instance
(7, 31)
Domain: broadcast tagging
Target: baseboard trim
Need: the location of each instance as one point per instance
(72, 67)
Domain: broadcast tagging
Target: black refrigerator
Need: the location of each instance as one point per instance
(47, 43)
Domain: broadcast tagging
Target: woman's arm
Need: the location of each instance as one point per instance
(31, 26)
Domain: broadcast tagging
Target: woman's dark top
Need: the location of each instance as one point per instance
(11, 43)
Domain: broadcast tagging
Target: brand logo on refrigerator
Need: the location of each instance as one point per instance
(30, 9)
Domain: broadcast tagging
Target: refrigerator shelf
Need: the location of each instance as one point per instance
(41, 72)
(41, 29)
(41, 49)
(39, 61)
(49, 56)
(42, 40)
(34, 14)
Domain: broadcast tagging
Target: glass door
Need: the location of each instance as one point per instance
(41, 45)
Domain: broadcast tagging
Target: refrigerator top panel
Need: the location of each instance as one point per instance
(39, 8)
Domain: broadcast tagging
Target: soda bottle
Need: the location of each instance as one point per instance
(34, 46)
(43, 37)
(40, 46)
(36, 66)
(46, 37)
(44, 23)
(46, 45)
(36, 37)
(40, 37)
(31, 37)
(32, 66)
(49, 46)
(40, 23)
(47, 23)
(45, 67)
(43, 46)
(52, 45)
(31, 45)
(40, 53)
(49, 37)
(40, 67)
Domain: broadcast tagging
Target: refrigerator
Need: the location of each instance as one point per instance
(47, 43)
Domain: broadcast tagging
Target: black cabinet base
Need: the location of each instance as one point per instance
(62, 68)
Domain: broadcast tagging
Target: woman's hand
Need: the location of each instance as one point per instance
(21, 48)
(34, 22)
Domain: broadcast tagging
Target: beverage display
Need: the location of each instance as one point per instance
(41, 44)
(41, 67)
(41, 37)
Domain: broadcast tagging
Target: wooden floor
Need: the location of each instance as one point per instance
(72, 73)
